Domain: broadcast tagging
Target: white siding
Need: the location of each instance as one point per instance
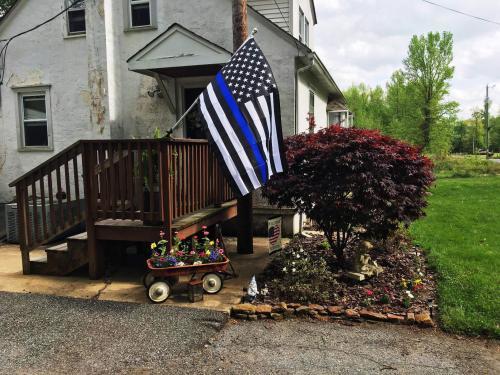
(280, 14)
(320, 102)
(305, 5)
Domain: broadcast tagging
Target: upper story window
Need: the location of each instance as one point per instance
(311, 102)
(34, 119)
(303, 28)
(76, 18)
(140, 13)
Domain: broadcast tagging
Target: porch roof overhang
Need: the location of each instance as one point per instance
(179, 52)
(323, 80)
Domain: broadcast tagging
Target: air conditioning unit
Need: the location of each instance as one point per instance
(11, 220)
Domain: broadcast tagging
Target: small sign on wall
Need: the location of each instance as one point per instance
(274, 234)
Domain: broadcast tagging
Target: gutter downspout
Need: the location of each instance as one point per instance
(299, 71)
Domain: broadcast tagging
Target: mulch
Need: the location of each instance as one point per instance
(400, 259)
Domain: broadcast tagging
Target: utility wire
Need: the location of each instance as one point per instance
(3, 51)
(462, 13)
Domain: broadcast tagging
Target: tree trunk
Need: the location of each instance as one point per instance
(426, 127)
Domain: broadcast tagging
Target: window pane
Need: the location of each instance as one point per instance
(34, 107)
(140, 15)
(306, 36)
(301, 25)
(35, 134)
(76, 21)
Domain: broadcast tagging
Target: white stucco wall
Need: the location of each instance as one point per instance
(94, 95)
(304, 86)
(46, 57)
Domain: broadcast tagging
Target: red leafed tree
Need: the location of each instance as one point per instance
(345, 179)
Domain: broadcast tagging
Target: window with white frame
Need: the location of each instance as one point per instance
(302, 18)
(75, 18)
(306, 31)
(303, 28)
(140, 13)
(311, 102)
(34, 119)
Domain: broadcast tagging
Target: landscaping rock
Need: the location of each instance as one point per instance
(424, 319)
(262, 316)
(244, 308)
(252, 317)
(372, 315)
(289, 313)
(278, 309)
(410, 317)
(294, 305)
(316, 307)
(323, 312)
(263, 309)
(351, 314)
(395, 318)
(335, 310)
(313, 313)
(302, 310)
(283, 305)
(240, 316)
(276, 316)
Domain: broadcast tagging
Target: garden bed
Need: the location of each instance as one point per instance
(306, 272)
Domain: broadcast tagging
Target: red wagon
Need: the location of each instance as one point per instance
(160, 281)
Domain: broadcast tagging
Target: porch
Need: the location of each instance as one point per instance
(117, 190)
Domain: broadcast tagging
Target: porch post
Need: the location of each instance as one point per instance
(245, 209)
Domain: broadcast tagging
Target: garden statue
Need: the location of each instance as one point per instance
(252, 291)
(363, 265)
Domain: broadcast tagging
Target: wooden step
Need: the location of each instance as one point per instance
(61, 248)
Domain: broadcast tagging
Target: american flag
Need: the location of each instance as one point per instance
(241, 112)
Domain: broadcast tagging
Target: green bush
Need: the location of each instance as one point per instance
(465, 166)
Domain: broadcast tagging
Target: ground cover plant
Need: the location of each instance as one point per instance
(462, 236)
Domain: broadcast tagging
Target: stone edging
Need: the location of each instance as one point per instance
(284, 311)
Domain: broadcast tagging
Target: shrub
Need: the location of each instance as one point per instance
(344, 179)
(296, 275)
(465, 166)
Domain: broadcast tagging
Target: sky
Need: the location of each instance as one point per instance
(366, 41)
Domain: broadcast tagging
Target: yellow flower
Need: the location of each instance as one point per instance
(418, 281)
(211, 243)
(153, 246)
(207, 252)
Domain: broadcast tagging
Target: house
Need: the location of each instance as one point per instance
(119, 69)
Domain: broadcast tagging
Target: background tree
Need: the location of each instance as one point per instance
(344, 179)
(428, 67)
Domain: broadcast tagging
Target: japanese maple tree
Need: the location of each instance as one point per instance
(345, 179)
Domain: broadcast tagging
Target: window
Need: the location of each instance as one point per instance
(303, 28)
(76, 18)
(140, 13)
(306, 32)
(302, 18)
(34, 115)
(311, 102)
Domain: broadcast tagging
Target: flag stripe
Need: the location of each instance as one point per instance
(232, 137)
(223, 150)
(277, 145)
(265, 108)
(243, 125)
(260, 128)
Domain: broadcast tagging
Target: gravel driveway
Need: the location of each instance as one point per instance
(46, 334)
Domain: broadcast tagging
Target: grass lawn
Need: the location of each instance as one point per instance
(462, 235)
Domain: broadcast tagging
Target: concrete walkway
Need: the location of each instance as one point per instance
(58, 335)
(125, 284)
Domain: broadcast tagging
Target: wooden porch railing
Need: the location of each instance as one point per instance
(155, 181)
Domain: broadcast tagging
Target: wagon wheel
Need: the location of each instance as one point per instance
(148, 279)
(212, 283)
(159, 291)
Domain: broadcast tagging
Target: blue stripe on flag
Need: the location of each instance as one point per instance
(243, 125)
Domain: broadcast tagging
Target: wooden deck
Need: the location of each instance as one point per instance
(187, 225)
(114, 187)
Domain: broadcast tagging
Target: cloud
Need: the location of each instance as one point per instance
(366, 40)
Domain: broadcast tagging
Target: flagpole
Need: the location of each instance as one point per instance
(173, 128)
